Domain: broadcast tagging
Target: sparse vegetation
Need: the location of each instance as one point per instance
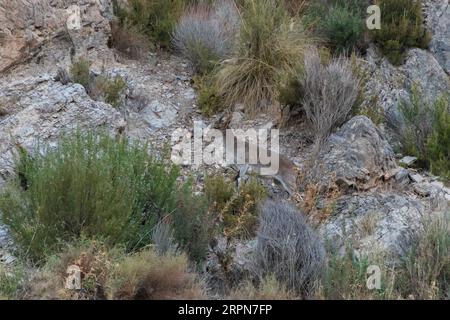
(80, 72)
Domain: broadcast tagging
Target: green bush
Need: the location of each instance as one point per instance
(270, 43)
(148, 276)
(425, 132)
(89, 185)
(425, 270)
(402, 27)
(209, 100)
(438, 144)
(193, 224)
(154, 18)
(80, 72)
(237, 207)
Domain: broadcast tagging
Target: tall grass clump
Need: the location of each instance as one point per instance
(402, 28)
(269, 44)
(206, 34)
(288, 249)
(89, 185)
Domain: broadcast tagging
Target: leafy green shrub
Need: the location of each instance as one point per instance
(88, 185)
(80, 72)
(148, 276)
(207, 34)
(340, 23)
(270, 43)
(402, 28)
(424, 132)
(154, 18)
(438, 144)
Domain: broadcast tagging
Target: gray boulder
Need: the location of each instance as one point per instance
(356, 157)
(374, 222)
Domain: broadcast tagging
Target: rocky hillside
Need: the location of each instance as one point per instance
(358, 187)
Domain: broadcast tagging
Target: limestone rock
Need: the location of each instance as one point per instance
(355, 157)
(376, 221)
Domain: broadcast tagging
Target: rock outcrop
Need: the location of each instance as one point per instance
(374, 222)
(438, 21)
(44, 110)
(356, 157)
(26, 26)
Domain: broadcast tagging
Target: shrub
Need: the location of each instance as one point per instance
(93, 258)
(207, 34)
(423, 131)
(340, 23)
(438, 144)
(209, 99)
(90, 185)
(110, 90)
(329, 93)
(11, 282)
(270, 43)
(345, 276)
(80, 72)
(154, 18)
(146, 275)
(288, 249)
(425, 270)
(193, 224)
(268, 289)
(128, 41)
(402, 28)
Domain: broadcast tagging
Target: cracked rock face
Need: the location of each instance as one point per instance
(376, 221)
(355, 157)
(46, 109)
(27, 25)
